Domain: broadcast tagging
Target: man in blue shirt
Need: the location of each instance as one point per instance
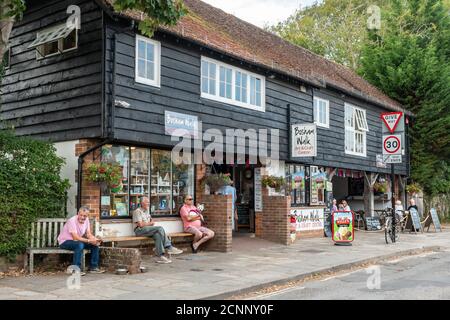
(226, 190)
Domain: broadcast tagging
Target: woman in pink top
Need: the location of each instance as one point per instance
(192, 222)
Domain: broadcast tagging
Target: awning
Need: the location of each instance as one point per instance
(51, 35)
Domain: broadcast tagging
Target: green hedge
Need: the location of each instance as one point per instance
(30, 188)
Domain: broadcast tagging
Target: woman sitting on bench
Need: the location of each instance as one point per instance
(192, 221)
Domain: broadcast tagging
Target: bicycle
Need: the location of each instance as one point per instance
(392, 228)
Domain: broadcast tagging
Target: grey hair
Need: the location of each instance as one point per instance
(142, 199)
(84, 208)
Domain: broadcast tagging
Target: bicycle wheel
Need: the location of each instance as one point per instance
(388, 230)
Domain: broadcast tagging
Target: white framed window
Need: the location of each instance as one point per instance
(147, 61)
(355, 122)
(321, 112)
(55, 40)
(224, 83)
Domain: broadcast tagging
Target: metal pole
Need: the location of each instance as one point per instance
(393, 201)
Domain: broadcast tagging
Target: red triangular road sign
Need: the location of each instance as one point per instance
(391, 119)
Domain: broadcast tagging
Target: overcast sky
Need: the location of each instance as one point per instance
(260, 12)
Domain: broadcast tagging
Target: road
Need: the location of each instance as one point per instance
(426, 276)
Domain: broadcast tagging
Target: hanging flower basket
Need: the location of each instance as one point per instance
(413, 188)
(107, 173)
(380, 187)
(216, 181)
(276, 183)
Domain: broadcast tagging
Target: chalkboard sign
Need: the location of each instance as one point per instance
(373, 224)
(415, 219)
(327, 223)
(243, 215)
(435, 217)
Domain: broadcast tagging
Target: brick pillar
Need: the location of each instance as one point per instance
(217, 214)
(275, 223)
(90, 192)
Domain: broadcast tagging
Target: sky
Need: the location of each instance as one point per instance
(260, 12)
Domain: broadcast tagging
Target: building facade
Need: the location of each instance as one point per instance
(104, 93)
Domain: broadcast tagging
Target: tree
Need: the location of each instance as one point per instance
(409, 60)
(335, 29)
(158, 12)
(10, 10)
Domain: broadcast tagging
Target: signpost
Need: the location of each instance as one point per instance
(392, 146)
(342, 226)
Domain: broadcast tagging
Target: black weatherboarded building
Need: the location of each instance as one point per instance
(102, 93)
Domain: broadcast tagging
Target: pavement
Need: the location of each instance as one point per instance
(254, 263)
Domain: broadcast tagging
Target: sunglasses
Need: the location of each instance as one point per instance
(189, 199)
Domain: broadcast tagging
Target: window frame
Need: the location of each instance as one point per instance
(354, 130)
(157, 62)
(316, 112)
(60, 42)
(233, 100)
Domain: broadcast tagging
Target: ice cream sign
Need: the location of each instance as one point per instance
(342, 226)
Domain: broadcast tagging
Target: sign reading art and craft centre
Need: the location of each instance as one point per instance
(180, 124)
(308, 219)
(303, 140)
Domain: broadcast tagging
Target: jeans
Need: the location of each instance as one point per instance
(77, 247)
(158, 234)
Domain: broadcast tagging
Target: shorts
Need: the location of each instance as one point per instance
(194, 230)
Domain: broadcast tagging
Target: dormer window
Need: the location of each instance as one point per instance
(55, 40)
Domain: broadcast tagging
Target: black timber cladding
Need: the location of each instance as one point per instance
(143, 121)
(56, 98)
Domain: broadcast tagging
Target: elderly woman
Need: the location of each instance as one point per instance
(192, 222)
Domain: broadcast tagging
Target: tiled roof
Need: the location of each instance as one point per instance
(216, 29)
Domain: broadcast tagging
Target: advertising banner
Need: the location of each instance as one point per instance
(342, 226)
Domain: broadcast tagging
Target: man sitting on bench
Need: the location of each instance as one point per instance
(145, 227)
(76, 236)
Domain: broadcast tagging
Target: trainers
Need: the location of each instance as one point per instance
(173, 250)
(163, 259)
(96, 270)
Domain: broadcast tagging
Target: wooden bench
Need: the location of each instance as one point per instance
(43, 237)
(114, 240)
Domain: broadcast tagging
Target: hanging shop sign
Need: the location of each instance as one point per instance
(342, 226)
(303, 140)
(180, 124)
(308, 219)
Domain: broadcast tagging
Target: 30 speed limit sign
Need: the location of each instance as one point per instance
(392, 144)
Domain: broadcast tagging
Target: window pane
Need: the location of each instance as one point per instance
(141, 68)
(139, 176)
(118, 194)
(141, 49)
(160, 194)
(150, 70)
(183, 183)
(212, 87)
(150, 52)
(49, 48)
(212, 71)
(205, 85)
(258, 99)
(205, 69)
(252, 90)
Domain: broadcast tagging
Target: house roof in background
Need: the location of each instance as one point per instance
(218, 30)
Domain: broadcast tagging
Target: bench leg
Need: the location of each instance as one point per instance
(31, 262)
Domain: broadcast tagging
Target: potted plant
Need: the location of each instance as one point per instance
(413, 188)
(274, 182)
(216, 181)
(106, 173)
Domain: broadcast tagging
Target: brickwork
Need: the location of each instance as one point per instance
(90, 192)
(112, 258)
(258, 224)
(274, 222)
(217, 214)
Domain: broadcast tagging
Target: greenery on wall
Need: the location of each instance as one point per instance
(30, 188)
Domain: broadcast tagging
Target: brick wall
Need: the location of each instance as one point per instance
(112, 258)
(217, 214)
(274, 221)
(90, 192)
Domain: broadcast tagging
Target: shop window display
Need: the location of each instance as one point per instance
(318, 184)
(297, 178)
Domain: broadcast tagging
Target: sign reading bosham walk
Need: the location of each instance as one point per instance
(304, 140)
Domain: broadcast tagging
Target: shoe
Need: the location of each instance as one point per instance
(96, 270)
(82, 273)
(173, 250)
(163, 259)
(193, 250)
